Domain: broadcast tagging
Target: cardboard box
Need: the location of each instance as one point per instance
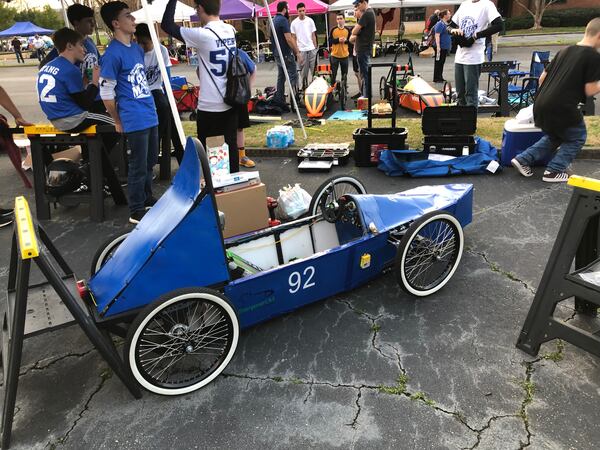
(245, 210)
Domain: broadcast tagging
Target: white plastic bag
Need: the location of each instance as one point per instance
(525, 115)
(293, 201)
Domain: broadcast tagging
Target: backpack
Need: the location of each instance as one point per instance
(475, 163)
(237, 91)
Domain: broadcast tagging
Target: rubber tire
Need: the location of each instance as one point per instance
(408, 237)
(342, 95)
(355, 182)
(150, 311)
(383, 89)
(99, 258)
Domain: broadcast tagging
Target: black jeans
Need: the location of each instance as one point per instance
(220, 124)
(166, 123)
(438, 67)
(339, 62)
(19, 56)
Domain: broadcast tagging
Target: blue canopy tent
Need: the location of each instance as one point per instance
(24, 29)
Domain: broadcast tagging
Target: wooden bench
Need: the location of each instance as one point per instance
(42, 136)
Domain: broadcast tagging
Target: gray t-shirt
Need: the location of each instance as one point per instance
(366, 37)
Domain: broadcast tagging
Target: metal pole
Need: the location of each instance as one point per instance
(64, 11)
(287, 77)
(326, 31)
(255, 17)
(163, 72)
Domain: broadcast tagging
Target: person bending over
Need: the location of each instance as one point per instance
(571, 77)
(125, 92)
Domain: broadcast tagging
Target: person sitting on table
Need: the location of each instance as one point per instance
(61, 94)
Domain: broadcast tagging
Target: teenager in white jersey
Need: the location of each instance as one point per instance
(213, 41)
(471, 24)
(304, 30)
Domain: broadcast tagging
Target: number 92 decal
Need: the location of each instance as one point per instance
(304, 281)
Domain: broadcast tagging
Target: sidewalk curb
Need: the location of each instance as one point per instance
(586, 153)
(541, 34)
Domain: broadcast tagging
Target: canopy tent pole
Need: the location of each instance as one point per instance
(287, 77)
(257, 40)
(163, 72)
(64, 12)
(326, 31)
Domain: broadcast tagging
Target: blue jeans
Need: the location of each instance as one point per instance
(569, 143)
(363, 67)
(142, 155)
(290, 65)
(466, 77)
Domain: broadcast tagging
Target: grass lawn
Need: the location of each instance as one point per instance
(548, 30)
(341, 131)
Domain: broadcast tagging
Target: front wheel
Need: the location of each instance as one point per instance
(106, 251)
(182, 341)
(327, 195)
(429, 253)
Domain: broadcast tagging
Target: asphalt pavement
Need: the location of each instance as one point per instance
(371, 368)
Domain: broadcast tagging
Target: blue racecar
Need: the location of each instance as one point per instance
(188, 292)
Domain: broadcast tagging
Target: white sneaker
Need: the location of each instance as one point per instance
(522, 168)
(555, 177)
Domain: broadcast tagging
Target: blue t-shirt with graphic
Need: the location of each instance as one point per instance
(135, 103)
(250, 66)
(56, 81)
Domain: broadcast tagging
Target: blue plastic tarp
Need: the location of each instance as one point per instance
(477, 162)
(24, 29)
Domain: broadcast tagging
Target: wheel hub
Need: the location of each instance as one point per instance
(179, 329)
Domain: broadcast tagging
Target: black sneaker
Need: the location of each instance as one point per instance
(555, 177)
(522, 168)
(150, 203)
(6, 217)
(137, 216)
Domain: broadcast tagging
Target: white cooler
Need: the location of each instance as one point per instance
(516, 138)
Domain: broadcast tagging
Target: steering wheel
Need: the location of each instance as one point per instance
(348, 210)
(331, 209)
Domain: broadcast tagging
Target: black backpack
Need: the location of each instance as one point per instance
(237, 91)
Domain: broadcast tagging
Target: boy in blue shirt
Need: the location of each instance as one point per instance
(61, 93)
(127, 97)
(82, 19)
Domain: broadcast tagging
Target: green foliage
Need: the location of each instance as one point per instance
(398, 389)
(45, 17)
(375, 327)
(422, 397)
(7, 16)
(573, 17)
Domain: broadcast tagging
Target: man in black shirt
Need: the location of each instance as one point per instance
(573, 75)
(16, 45)
(363, 36)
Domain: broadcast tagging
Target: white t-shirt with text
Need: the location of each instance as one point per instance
(152, 69)
(471, 17)
(215, 56)
(304, 29)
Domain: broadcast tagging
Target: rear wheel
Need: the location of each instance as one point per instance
(384, 89)
(106, 251)
(343, 94)
(182, 341)
(429, 253)
(327, 195)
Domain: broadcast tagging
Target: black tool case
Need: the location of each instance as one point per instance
(449, 130)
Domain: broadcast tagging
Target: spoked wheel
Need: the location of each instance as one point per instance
(429, 253)
(343, 94)
(326, 196)
(447, 91)
(106, 251)
(384, 89)
(182, 341)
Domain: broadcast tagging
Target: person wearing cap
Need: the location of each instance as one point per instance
(363, 36)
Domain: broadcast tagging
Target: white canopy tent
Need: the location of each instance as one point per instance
(342, 5)
(183, 12)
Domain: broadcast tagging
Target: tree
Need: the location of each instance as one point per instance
(45, 17)
(7, 16)
(538, 8)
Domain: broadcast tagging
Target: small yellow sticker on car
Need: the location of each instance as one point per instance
(365, 261)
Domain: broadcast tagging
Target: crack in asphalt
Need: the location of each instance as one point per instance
(104, 377)
(354, 423)
(497, 269)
